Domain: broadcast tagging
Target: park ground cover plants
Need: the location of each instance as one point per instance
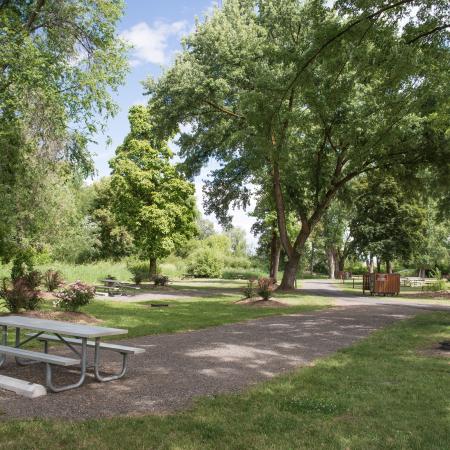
(19, 294)
(53, 279)
(74, 296)
(266, 286)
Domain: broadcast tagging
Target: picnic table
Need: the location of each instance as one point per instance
(71, 335)
(113, 286)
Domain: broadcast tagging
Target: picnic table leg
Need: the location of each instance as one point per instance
(4, 342)
(19, 361)
(48, 372)
(101, 378)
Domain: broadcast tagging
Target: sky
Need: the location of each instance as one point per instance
(154, 28)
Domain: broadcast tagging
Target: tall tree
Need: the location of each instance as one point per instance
(59, 62)
(304, 95)
(388, 222)
(150, 198)
(114, 240)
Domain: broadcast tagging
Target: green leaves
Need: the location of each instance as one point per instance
(150, 198)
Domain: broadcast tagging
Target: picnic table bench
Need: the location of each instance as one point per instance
(112, 286)
(57, 331)
(417, 281)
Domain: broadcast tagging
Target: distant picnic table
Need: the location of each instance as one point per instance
(112, 287)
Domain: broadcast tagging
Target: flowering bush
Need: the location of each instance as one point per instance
(266, 286)
(74, 296)
(19, 294)
(249, 291)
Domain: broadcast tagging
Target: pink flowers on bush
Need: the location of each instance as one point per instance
(74, 296)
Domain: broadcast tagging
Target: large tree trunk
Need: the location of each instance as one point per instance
(313, 256)
(378, 264)
(290, 273)
(331, 263)
(275, 250)
(388, 266)
(341, 263)
(152, 268)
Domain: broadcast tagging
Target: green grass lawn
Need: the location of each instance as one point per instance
(385, 392)
(183, 315)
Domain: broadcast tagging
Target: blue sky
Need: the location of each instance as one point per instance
(154, 29)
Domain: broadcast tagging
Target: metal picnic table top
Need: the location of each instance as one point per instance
(56, 326)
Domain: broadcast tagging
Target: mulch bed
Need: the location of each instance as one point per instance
(261, 303)
(76, 317)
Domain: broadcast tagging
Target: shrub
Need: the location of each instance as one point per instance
(53, 279)
(205, 263)
(440, 284)
(266, 286)
(237, 262)
(435, 286)
(241, 274)
(250, 290)
(22, 264)
(161, 280)
(18, 295)
(139, 271)
(33, 278)
(74, 296)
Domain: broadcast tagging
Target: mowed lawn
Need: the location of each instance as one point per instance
(183, 315)
(194, 313)
(386, 392)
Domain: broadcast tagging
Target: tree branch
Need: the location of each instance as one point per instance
(223, 109)
(280, 208)
(334, 38)
(34, 14)
(428, 33)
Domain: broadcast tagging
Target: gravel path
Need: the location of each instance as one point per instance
(179, 367)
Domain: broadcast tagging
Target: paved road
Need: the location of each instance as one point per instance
(177, 368)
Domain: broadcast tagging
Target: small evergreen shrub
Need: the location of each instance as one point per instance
(161, 280)
(250, 290)
(18, 295)
(139, 271)
(33, 278)
(266, 286)
(53, 279)
(205, 263)
(74, 296)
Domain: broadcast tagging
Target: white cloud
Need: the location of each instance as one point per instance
(150, 42)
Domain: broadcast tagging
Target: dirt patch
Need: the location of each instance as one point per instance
(67, 316)
(436, 351)
(261, 303)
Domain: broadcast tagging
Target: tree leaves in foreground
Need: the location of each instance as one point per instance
(59, 63)
(150, 198)
(300, 98)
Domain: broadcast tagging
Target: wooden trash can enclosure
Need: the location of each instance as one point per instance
(381, 283)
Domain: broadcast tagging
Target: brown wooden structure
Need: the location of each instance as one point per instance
(381, 283)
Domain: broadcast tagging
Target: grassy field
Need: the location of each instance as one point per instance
(94, 272)
(386, 392)
(191, 313)
(184, 315)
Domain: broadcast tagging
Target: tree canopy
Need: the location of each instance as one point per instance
(150, 198)
(59, 63)
(301, 98)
